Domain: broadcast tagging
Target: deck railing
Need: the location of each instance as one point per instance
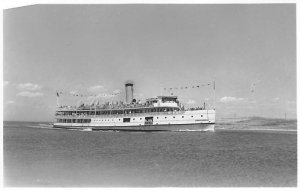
(117, 115)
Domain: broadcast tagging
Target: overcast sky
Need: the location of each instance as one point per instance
(250, 51)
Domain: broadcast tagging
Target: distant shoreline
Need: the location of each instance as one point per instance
(27, 121)
(261, 130)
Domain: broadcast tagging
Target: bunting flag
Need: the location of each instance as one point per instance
(252, 88)
(58, 93)
(87, 95)
(253, 85)
(191, 87)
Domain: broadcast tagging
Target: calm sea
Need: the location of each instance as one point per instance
(35, 155)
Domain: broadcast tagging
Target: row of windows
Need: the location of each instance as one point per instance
(111, 119)
(137, 118)
(98, 120)
(73, 120)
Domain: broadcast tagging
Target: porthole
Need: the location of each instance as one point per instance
(165, 117)
(192, 116)
(140, 118)
(182, 116)
(201, 115)
(157, 117)
(173, 116)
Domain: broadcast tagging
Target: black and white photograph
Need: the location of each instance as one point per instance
(150, 95)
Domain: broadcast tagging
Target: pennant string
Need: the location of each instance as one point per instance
(188, 87)
(59, 93)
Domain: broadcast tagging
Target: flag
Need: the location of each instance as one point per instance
(252, 88)
(253, 85)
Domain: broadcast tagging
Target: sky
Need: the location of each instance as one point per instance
(248, 50)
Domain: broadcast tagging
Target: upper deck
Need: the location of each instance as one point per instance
(159, 105)
(159, 102)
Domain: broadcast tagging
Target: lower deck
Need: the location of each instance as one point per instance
(169, 127)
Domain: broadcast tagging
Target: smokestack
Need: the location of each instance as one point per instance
(129, 91)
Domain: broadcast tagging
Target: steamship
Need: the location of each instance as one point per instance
(163, 113)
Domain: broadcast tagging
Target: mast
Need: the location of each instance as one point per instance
(57, 99)
(95, 109)
(214, 95)
(57, 102)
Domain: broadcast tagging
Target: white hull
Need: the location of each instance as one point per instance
(184, 127)
(199, 120)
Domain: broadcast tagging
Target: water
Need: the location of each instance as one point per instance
(37, 155)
